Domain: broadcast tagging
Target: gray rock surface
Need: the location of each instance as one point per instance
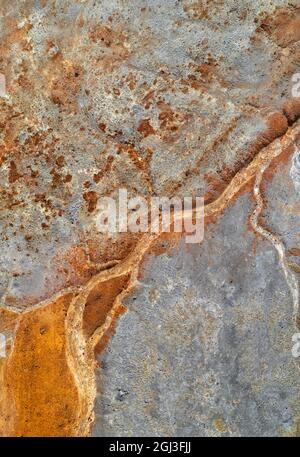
(205, 347)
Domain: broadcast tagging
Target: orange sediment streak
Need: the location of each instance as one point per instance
(37, 381)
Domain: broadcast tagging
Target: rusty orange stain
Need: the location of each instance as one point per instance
(37, 381)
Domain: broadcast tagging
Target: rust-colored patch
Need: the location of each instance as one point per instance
(283, 26)
(118, 250)
(13, 172)
(37, 378)
(138, 161)
(113, 42)
(145, 128)
(65, 83)
(218, 185)
(170, 121)
(8, 323)
(91, 198)
(107, 168)
(277, 126)
(100, 301)
(291, 109)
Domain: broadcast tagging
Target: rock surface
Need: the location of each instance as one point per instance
(210, 354)
(134, 334)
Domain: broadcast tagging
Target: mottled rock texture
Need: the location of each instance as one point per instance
(136, 334)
